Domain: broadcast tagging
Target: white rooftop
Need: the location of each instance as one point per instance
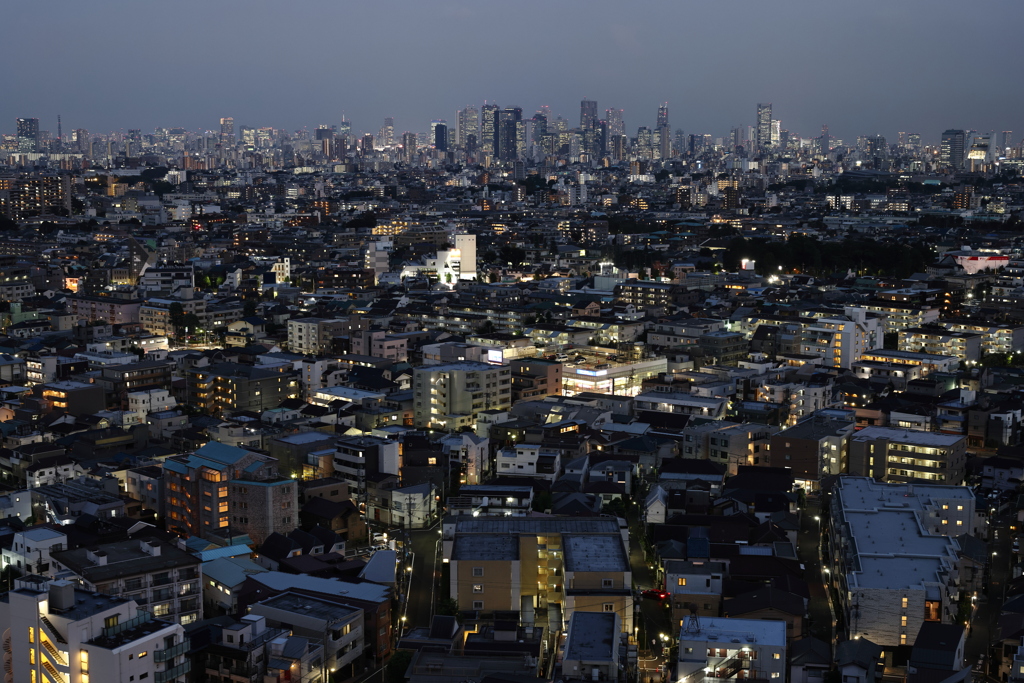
(933, 439)
(745, 631)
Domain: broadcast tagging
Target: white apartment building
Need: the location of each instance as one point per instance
(450, 396)
(841, 340)
(313, 335)
(56, 633)
(893, 557)
(682, 403)
(151, 401)
(529, 460)
(715, 648)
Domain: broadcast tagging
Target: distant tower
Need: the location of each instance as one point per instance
(664, 132)
(409, 147)
(27, 134)
(439, 134)
(227, 132)
(467, 125)
(616, 126)
(764, 125)
(1005, 141)
(588, 114)
(388, 132)
(60, 135)
(951, 152)
(488, 128)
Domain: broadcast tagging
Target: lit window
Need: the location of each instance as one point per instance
(904, 603)
(682, 581)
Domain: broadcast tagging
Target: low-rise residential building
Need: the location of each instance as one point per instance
(816, 447)
(58, 632)
(339, 628)
(895, 565)
(224, 490)
(694, 585)
(153, 573)
(906, 455)
(711, 649)
(450, 396)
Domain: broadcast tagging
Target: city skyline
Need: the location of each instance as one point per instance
(265, 65)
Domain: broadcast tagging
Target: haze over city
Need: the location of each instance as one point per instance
(870, 67)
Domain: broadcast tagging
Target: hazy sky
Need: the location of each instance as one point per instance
(861, 66)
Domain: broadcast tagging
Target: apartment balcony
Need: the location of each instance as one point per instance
(170, 653)
(173, 672)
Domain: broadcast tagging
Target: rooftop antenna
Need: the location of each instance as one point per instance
(693, 621)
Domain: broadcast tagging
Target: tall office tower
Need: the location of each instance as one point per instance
(227, 132)
(914, 140)
(616, 126)
(764, 125)
(488, 128)
(80, 140)
(545, 110)
(680, 141)
(588, 114)
(664, 132)
(27, 135)
(824, 141)
(508, 133)
(1005, 141)
(877, 149)
(951, 152)
(439, 134)
(387, 132)
(346, 126)
(467, 122)
(409, 147)
(776, 127)
(901, 139)
(736, 137)
(540, 127)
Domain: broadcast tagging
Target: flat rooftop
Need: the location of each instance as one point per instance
(592, 636)
(747, 631)
(594, 554)
(933, 439)
(309, 606)
(486, 547)
(539, 525)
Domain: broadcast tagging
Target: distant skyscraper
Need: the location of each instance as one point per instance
(951, 152)
(439, 134)
(664, 132)
(616, 126)
(409, 147)
(588, 114)
(663, 115)
(468, 125)
(28, 135)
(764, 125)
(227, 132)
(914, 140)
(488, 128)
(387, 132)
(1005, 141)
(510, 134)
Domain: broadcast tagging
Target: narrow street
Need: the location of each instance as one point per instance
(654, 616)
(821, 621)
(985, 626)
(425, 577)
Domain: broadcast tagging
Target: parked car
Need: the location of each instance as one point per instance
(655, 593)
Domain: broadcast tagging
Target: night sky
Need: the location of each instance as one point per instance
(862, 67)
